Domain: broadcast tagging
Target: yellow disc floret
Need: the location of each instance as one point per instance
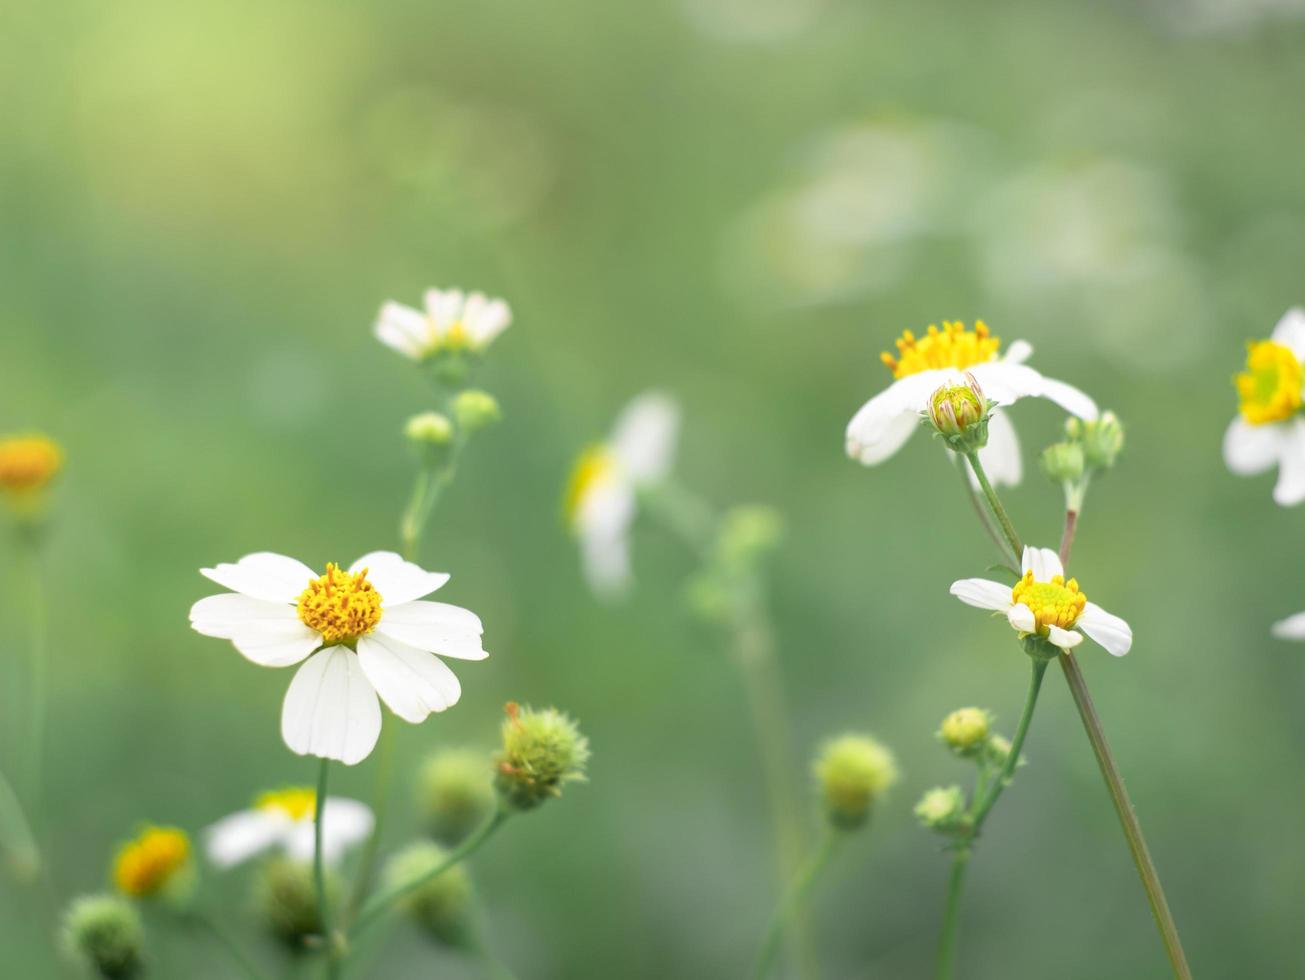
(594, 467)
(951, 347)
(1270, 387)
(28, 463)
(296, 802)
(146, 865)
(340, 605)
(1054, 603)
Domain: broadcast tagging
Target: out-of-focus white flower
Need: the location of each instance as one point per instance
(453, 321)
(602, 496)
(285, 819)
(1269, 430)
(367, 630)
(941, 357)
(1042, 603)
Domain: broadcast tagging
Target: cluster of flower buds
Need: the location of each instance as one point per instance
(959, 413)
(747, 536)
(968, 733)
(1088, 447)
(853, 772)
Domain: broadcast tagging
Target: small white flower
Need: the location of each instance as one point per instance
(602, 495)
(285, 819)
(452, 322)
(941, 357)
(1269, 430)
(1291, 628)
(367, 631)
(1042, 602)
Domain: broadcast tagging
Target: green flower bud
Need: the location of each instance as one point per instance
(960, 414)
(440, 906)
(999, 749)
(543, 750)
(1064, 462)
(852, 771)
(428, 429)
(455, 793)
(965, 730)
(105, 933)
(475, 410)
(942, 809)
(1103, 441)
(285, 897)
(748, 533)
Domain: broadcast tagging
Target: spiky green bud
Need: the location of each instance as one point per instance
(543, 750)
(476, 410)
(852, 772)
(285, 898)
(965, 730)
(942, 809)
(1063, 462)
(441, 906)
(428, 429)
(105, 933)
(455, 793)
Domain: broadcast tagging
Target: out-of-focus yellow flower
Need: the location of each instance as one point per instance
(28, 463)
(152, 861)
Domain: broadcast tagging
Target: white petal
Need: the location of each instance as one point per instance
(263, 575)
(242, 835)
(222, 615)
(1250, 449)
(412, 682)
(344, 824)
(396, 580)
(1290, 489)
(485, 318)
(606, 562)
(450, 631)
(1109, 630)
(331, 710)
(403, 329)
(1291, 628)
(1001, 456)
(1064, 639)
(643, 440)
(1043, 562)
(1005, 382)
(444, 307)
(1021, 617)
(883, 424)
(1290, 332)
(1018, 352)
(983, 593)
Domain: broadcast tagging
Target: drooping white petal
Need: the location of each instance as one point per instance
(1290, 332)
(331, 710)
(983, 593)
(1062, 638)
(1001, 456)
(243, 835)
(883, 424)
(396, 580)
(263, 575)
(1290, 488)
(411, 681)
(1291, 628)
(1021, 617)
(1250, 449)
(1018, 352)
(1043, 562)
(1107, 629)
(602, 527)
(404, 329)
(222, 615)
(485, 318)
(344, 824)
(450, 631)
(891, 435)
(1005, 382)
(643, 440)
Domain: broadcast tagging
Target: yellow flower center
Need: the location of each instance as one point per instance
(28, 462)
(145, 865)
(296, 802)
(951, 347)
(1054, 603)
(1270, 387)
(594, 467)
(453, 338)
(340, 605)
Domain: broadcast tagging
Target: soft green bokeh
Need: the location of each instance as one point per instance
(205, 203)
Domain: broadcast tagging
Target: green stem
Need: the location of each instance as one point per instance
(789, 910)
(1017, 744)
(994, 502)
(38, 693)
(984, 519)
(319, 875)
(951, 914)
(225, 940)
(1067, 536)
(16, 835)
(384, 901)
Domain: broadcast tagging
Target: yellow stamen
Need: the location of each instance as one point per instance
(951, 347)
(296, 802)
(28, 463)
(1054, 603)
(340, 605)
(1270, 387)
(144, 866)
(594, 467)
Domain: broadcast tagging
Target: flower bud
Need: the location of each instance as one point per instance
(105, 933)
(942, 809)
(285, 897)
(543, 750)
(960, 413)
(999, 749)
(965, 730)
(428, 429)
(441, 906)
(747, 533)
(1103, 441)
(1063, 462)
(455, 793)
(475, 410)
(853, 771)
(156, 863)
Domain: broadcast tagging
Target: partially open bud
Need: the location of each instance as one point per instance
(285, 898)
(960, 413)
(455, 793)
(156, 863)
(441, 906)
(104, 932)
(1103, 441)
(942, 809)
(965, 731)
(475, 410)
(543, 750)
(853, 771)
(1063, 462)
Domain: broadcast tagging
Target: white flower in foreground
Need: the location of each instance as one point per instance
(285, 819)
(602, 496)
(453, 321)
(1269, 431)
(1042, 602)
(367, 632)
(1291, 628)
(941, 357)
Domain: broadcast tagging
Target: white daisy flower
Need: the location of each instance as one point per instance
(1269, 431)
(941, 357)
(285, 819)
(1291, 628)
(1042, 602)
(364, 632)
(602, 495)
(452, 322)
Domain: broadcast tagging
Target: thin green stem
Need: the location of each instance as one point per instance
(951, 914)
(789, 911)
(994, 502)
(985, 805)
(16, 837)
(982, 514)
(39, 667)
(383, 902)
(1067, 536)
(319, 875)
(224, 939)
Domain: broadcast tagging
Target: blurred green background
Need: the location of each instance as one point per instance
(743, 203)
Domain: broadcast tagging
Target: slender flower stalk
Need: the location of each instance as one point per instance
(995, 504)
(795, 899)
(243, 963)
(319, 875)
